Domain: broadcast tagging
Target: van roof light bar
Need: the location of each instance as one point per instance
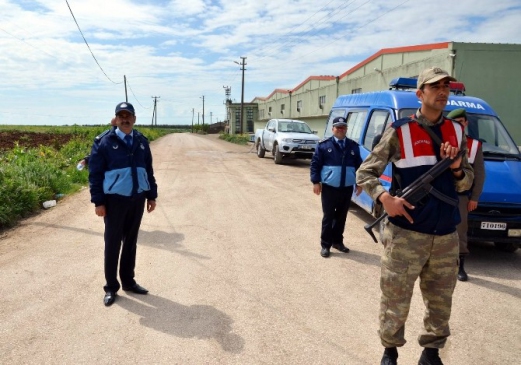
(403, 83)
(408, 83)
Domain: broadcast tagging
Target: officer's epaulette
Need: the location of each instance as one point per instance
(100, 136)
(325, 139)
(402, 121)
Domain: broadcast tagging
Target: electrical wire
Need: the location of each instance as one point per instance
(101, 68)
(132, 91)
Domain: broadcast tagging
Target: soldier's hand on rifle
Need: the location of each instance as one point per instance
(449, 151)
(394, 205)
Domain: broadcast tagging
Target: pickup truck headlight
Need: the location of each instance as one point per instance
(287, 140)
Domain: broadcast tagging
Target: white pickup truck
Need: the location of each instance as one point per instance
(286, 138)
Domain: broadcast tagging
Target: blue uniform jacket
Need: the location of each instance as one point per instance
(114, 168)
(333, 167)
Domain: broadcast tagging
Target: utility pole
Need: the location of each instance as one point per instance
(211, 113)
(154, 113)
(125, 82)
(242, 64)
(193, 120)
(228, 100)
(203, 110)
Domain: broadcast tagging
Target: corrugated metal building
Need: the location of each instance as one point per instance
(489, 71)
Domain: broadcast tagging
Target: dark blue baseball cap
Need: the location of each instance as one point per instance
(124, 106)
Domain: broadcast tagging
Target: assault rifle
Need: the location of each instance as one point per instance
(420, 188)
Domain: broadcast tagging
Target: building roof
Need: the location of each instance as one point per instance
(417, 48)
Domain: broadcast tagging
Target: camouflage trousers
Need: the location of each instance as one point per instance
(463, 226)
(407, 256)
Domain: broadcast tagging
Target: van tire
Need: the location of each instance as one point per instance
(261, 151)
(506, 246)
(277, 155)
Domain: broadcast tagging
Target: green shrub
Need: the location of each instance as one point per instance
(30, 176)
(235, 138)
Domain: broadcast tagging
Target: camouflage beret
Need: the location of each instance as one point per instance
(457, 113)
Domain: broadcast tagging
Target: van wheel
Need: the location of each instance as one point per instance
(261, 151)
(277, 155)
(506, 246)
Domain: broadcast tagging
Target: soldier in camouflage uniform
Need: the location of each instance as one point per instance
(421, 240)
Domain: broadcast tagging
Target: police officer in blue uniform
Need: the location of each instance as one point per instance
(122, 182)
(333, 169)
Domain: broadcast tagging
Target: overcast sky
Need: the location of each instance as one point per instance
(182, 50)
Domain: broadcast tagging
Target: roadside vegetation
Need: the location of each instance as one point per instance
(41, 165)
(235, 138)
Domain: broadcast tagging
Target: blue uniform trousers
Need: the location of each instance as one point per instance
(122, 221)
(335, 205)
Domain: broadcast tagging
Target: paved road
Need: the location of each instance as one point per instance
(231, 259)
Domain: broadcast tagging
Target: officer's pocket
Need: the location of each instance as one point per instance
(393, 280)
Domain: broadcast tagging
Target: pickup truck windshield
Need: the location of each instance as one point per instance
(294, 127)
(489, 130)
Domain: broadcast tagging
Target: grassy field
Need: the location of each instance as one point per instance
(38, 163)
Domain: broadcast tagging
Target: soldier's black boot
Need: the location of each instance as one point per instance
(462, 275)
(390, 356)
(430, 356)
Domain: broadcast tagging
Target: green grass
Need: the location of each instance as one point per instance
(235, 138)
(30, 176)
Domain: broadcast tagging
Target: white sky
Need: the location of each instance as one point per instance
(183, 50)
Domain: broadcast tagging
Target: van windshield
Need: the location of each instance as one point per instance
(489, 130)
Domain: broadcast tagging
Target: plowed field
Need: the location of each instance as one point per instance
(8, 139)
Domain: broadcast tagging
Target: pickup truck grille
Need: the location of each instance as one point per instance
(304, 141)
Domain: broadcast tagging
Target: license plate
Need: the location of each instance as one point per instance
(494, 226)
(306, 147)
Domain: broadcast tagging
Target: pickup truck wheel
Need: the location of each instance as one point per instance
(261, 151)
(277, 155)
(506, 246)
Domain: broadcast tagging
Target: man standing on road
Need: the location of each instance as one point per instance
(121, 181)
(333, 168)
(421, 240)
(468, 200)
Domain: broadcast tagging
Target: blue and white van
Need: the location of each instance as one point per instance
(498, 216)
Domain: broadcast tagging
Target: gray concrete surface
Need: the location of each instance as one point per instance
(231, 259)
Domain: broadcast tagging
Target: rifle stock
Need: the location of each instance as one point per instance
(417, 190)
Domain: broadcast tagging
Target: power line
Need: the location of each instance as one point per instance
(73, 17)
(135, 97)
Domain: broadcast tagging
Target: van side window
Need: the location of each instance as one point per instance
(375, 128)
(355, 123)
(329, 125)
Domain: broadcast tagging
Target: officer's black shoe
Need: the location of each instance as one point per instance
(430, 356)
(390, 356)
(135, 288)
(109, 298)
(340, 247)
(462, 275)
(324, 252)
